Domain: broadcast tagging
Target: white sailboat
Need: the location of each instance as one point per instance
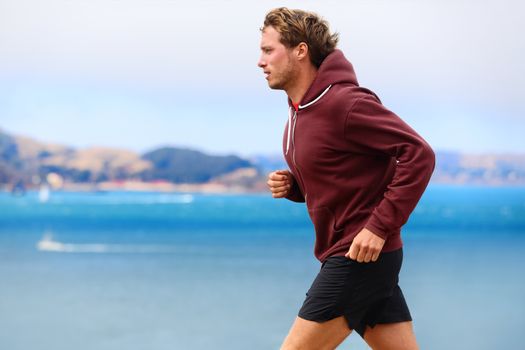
(44, 193)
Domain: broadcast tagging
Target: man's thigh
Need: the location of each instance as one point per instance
(306, 335)
(391, 336)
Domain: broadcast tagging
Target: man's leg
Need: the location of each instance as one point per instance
(391, 336)
(306, 335)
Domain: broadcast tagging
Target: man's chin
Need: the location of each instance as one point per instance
(275, 86)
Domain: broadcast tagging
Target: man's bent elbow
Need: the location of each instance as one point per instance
(428, 158)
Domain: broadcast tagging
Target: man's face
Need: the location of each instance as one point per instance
(276, 60)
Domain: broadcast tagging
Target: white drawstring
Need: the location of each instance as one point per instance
(317, 99)
(289, 129)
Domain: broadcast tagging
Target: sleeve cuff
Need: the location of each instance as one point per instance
(375, 226)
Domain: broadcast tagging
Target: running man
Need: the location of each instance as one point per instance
(361, 171)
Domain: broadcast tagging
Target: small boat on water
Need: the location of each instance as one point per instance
(44, 193)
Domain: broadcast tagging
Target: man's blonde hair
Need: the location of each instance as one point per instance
(297, 26)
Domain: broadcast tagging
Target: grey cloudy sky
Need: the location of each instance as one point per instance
(139, 74)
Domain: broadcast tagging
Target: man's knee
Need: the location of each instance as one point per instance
(311, 335)
(395, 336)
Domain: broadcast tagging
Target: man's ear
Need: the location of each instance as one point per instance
(302, 51)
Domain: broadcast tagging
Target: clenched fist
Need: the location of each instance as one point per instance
(366, 247)
(280, 182)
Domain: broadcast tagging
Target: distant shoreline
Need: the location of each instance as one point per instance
(207, 188)
(140, 186)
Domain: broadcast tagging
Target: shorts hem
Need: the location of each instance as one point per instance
(317, 319)
(397, 319)
(351, 322)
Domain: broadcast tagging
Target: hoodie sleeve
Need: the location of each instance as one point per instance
(295, 193)
(370, 127)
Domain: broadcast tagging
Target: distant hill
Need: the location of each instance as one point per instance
(10, 163)
(179, 165)
(26, 160)
(482, 169)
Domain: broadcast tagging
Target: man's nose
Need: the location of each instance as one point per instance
(261, 63)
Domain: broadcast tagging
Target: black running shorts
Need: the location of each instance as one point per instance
(366, 294)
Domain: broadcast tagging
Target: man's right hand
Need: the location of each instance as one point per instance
(280, 182)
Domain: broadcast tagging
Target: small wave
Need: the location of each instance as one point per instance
(157, 199)
(47, 244)
(119, 199)
(143, 199)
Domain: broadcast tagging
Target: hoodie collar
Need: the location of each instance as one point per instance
(335, 69)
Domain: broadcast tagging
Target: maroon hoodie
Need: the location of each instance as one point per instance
(355, 163)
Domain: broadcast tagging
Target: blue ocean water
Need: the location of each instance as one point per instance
(123, 270)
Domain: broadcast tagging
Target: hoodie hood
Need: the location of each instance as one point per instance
(335, 69)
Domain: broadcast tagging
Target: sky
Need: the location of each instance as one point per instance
(142, 74)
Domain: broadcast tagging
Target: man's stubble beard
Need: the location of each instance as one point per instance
(286, 78)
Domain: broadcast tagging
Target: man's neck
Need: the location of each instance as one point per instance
(303, 82)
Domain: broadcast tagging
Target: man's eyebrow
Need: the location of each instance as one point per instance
(265, 47)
